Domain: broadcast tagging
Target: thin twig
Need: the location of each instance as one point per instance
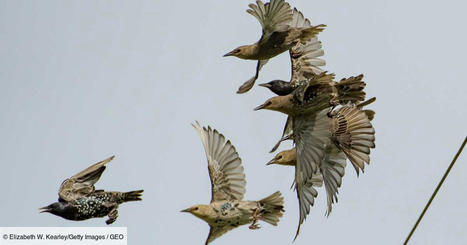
(434, 193)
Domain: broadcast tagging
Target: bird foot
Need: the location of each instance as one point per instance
(254, 227)
(256, 217)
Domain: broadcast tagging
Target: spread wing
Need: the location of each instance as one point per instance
(333, 169)
(82, 184)
(354, 134)
(217, 231)
(311, 134)
(304, 57)
(224, 165)
(274, 16)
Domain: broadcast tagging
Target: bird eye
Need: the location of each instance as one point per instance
(237, 51)
(279, 157)
(195, 208)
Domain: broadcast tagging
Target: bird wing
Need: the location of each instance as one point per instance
(354, 134)
(217, 231)
(311, 135)
(333, 169)
(287, 133)
(82, 184)
(224, 165)
(304, 57)
(274, 16)
(316, 85)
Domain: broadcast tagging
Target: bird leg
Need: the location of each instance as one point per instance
(113, 215)
(256, 217)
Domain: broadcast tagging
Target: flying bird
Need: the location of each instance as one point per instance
(316, 126)
(345, 91)
(79, 200)
(227, 209)
(331, 169)
(279, 34)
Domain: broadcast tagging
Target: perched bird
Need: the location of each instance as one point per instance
(227, 209)
(316, 127)
(79, 200)
(280, 33)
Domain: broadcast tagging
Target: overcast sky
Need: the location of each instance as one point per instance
(84, 80)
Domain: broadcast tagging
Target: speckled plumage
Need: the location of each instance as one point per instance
(227, 209)
(78, 199)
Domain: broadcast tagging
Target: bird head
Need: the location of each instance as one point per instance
(287, 157)
(200, 211)
(242, 52)
(61, 209)
(277, 103)
(278, 87)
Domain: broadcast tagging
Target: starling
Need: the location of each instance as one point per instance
(79, 200)
(227, 209)
(316, 127)
(304, 58)
(331, 169)
(346, 90)
(280, 33)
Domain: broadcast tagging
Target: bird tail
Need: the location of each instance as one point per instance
(310, 32)
(358, 138)
(272, 208)
(132, 196)
(351, 89)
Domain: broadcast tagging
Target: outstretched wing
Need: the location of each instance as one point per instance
(274, 16)
(354, 134)
(311, 134)
(82, 184)
(333, 169)
(217, 231)
(224, 165)
(304, 57)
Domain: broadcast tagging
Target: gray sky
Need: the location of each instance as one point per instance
(84, 80)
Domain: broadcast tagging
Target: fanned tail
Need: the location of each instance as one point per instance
(272, 208)
(351, 89)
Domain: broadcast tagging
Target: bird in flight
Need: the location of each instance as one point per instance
(79, 199)
(227, 209)
(320, 132)
(281, 31)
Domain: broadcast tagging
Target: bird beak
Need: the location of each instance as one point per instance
(266, 85)
(267, 103)
(188, 210)
(273, 161)
(44, 209)
(228, 54)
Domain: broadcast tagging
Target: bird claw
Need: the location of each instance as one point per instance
(254, 226)
(256, 217)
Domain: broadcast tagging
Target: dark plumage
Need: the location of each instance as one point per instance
(279, 87)
(78, 199)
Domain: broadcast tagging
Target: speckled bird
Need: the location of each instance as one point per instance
(79, 200)
(318, 130)
(227, 209)
(280, 33)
